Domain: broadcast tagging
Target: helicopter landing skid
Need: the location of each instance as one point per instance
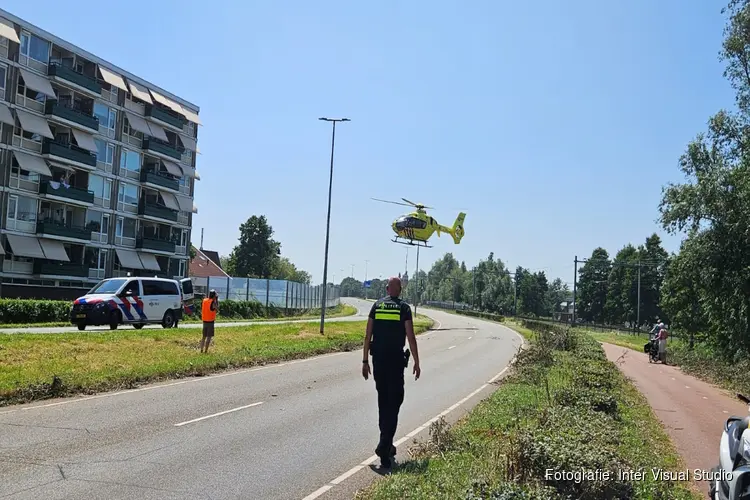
(414, 243)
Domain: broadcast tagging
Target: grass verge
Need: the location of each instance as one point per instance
(332, 312)
(34, 367)
(564, 407)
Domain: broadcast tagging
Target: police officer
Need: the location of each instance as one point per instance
(388, 327)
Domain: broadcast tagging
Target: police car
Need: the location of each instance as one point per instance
(135, 301)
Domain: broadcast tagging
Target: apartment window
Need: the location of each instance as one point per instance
(34, 47)
(128, 194)
(29, 98)
(185, 184)
(26, 140)
(107, 119)
(105, 152)
(3, 78)
(23, 179)
(102, 188)
(130, 161)
(22, 213)
(183, 264)
(96, 258)
(125, 227)
(184, 238)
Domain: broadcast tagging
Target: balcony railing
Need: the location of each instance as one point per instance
(69, 152)
(157, 146)
(55, 268)
(55, 228)
(155, 244)
(165, 116)
(73, 76)
(55, 108)
(151, 210)
(160, 180)
(71, 193)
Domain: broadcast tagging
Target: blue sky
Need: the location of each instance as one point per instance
(553, 125)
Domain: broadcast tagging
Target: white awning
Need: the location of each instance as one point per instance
(138, 123)
(112, 78)
(187, 170)
(6, 116)
(84, 140)
(196, 175)
(169, 200)
(197, 150)
(25, 246)
(34, 124)
(8, 31)
(54, 250)
(186, 204)
(157, 131)
(172, 168)
(32, 163)
(188, 142)
(167, 102)
(193, 117)
(195, 208)
(149, 261)
(38, 83)
(128, 259)
(140, 92)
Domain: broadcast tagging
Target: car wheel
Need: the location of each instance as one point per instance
(138, 326)
(81, 327)
(114, 320)
(169, 320)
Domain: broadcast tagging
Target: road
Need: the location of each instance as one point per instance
(281, 431)
(693, 412)
(362, 309)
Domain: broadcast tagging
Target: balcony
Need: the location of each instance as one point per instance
(164, 116)
(52, 228)
(161, 148)
(54, 109)
(69, 152)
(54, 268)
(71, 193)
(160, 180)
(155, 244)
(60, 72)
(151, 210)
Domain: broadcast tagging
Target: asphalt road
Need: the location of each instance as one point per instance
(282, 431)
(360, 316)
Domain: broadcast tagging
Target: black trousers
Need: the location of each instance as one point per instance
(388, 373)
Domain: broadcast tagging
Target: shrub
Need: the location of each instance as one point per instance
(480, 314)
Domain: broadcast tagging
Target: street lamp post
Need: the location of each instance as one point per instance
(328, 221)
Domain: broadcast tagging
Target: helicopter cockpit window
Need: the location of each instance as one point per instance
(418, 223)
(410, 222)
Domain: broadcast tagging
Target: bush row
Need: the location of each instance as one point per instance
(481, 314)
(25, 311)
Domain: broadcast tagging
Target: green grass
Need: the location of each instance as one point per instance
(563, 407)
(34, 366)
(332, 312)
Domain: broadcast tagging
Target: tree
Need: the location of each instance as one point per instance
(654, 259)
(350, 287)
(257, 254)
(286, 270)
(557, 293)
(591, 290)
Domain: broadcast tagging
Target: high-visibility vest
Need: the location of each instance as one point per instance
(206, 313)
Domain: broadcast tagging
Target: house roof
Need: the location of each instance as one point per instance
(214, 256)
(202, 266)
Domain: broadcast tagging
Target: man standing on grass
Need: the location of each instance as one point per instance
(388, 326)
(209, 308)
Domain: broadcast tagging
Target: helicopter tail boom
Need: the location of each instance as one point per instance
(457, 231)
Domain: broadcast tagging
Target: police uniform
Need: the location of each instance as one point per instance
(389, 317)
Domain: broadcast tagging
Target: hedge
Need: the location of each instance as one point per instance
(480, 314)
(25, 311)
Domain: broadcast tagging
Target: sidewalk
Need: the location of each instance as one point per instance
(692, 411)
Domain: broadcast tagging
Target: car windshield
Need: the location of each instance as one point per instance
(107, 286)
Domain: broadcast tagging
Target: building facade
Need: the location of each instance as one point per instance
(97, 169)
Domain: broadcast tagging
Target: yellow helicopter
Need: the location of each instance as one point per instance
(417, 227)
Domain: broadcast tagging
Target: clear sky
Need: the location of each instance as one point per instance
(552, 124)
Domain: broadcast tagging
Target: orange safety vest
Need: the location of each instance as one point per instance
(206, 313)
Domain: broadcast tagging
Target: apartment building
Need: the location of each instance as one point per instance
(97, 169)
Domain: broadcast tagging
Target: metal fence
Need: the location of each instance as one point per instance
(278, 293)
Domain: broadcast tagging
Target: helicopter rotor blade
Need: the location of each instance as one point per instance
(392, 202)
(417, 204)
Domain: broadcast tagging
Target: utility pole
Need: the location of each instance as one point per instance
(201, 239)
(352, 271)
(328, 222)
(416, 276)
(638, 307)
(367, 295)
(474, 286)
(575, 280)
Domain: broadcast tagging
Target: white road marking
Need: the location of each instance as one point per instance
(451, 347)
(469, 338)
(218, 414)
(318, 492)
(687, 387)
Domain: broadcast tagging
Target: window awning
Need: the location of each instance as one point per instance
(54, 250)
(84, 140)
(167, 102)
(149, 261)
(138, 123)
(196, 175)
(6, 116)
(34, 124)
(113, 78)
(32, 163)
(188, 142)
(193, 117)
(140, 92)
(187, 170)
(186, 204)
(128, 259)
(25, 246)
(197, 150)
(8, 31)
(172, 168)
(38, 83)
(169, 200)
(157, 131)
(195, 208)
